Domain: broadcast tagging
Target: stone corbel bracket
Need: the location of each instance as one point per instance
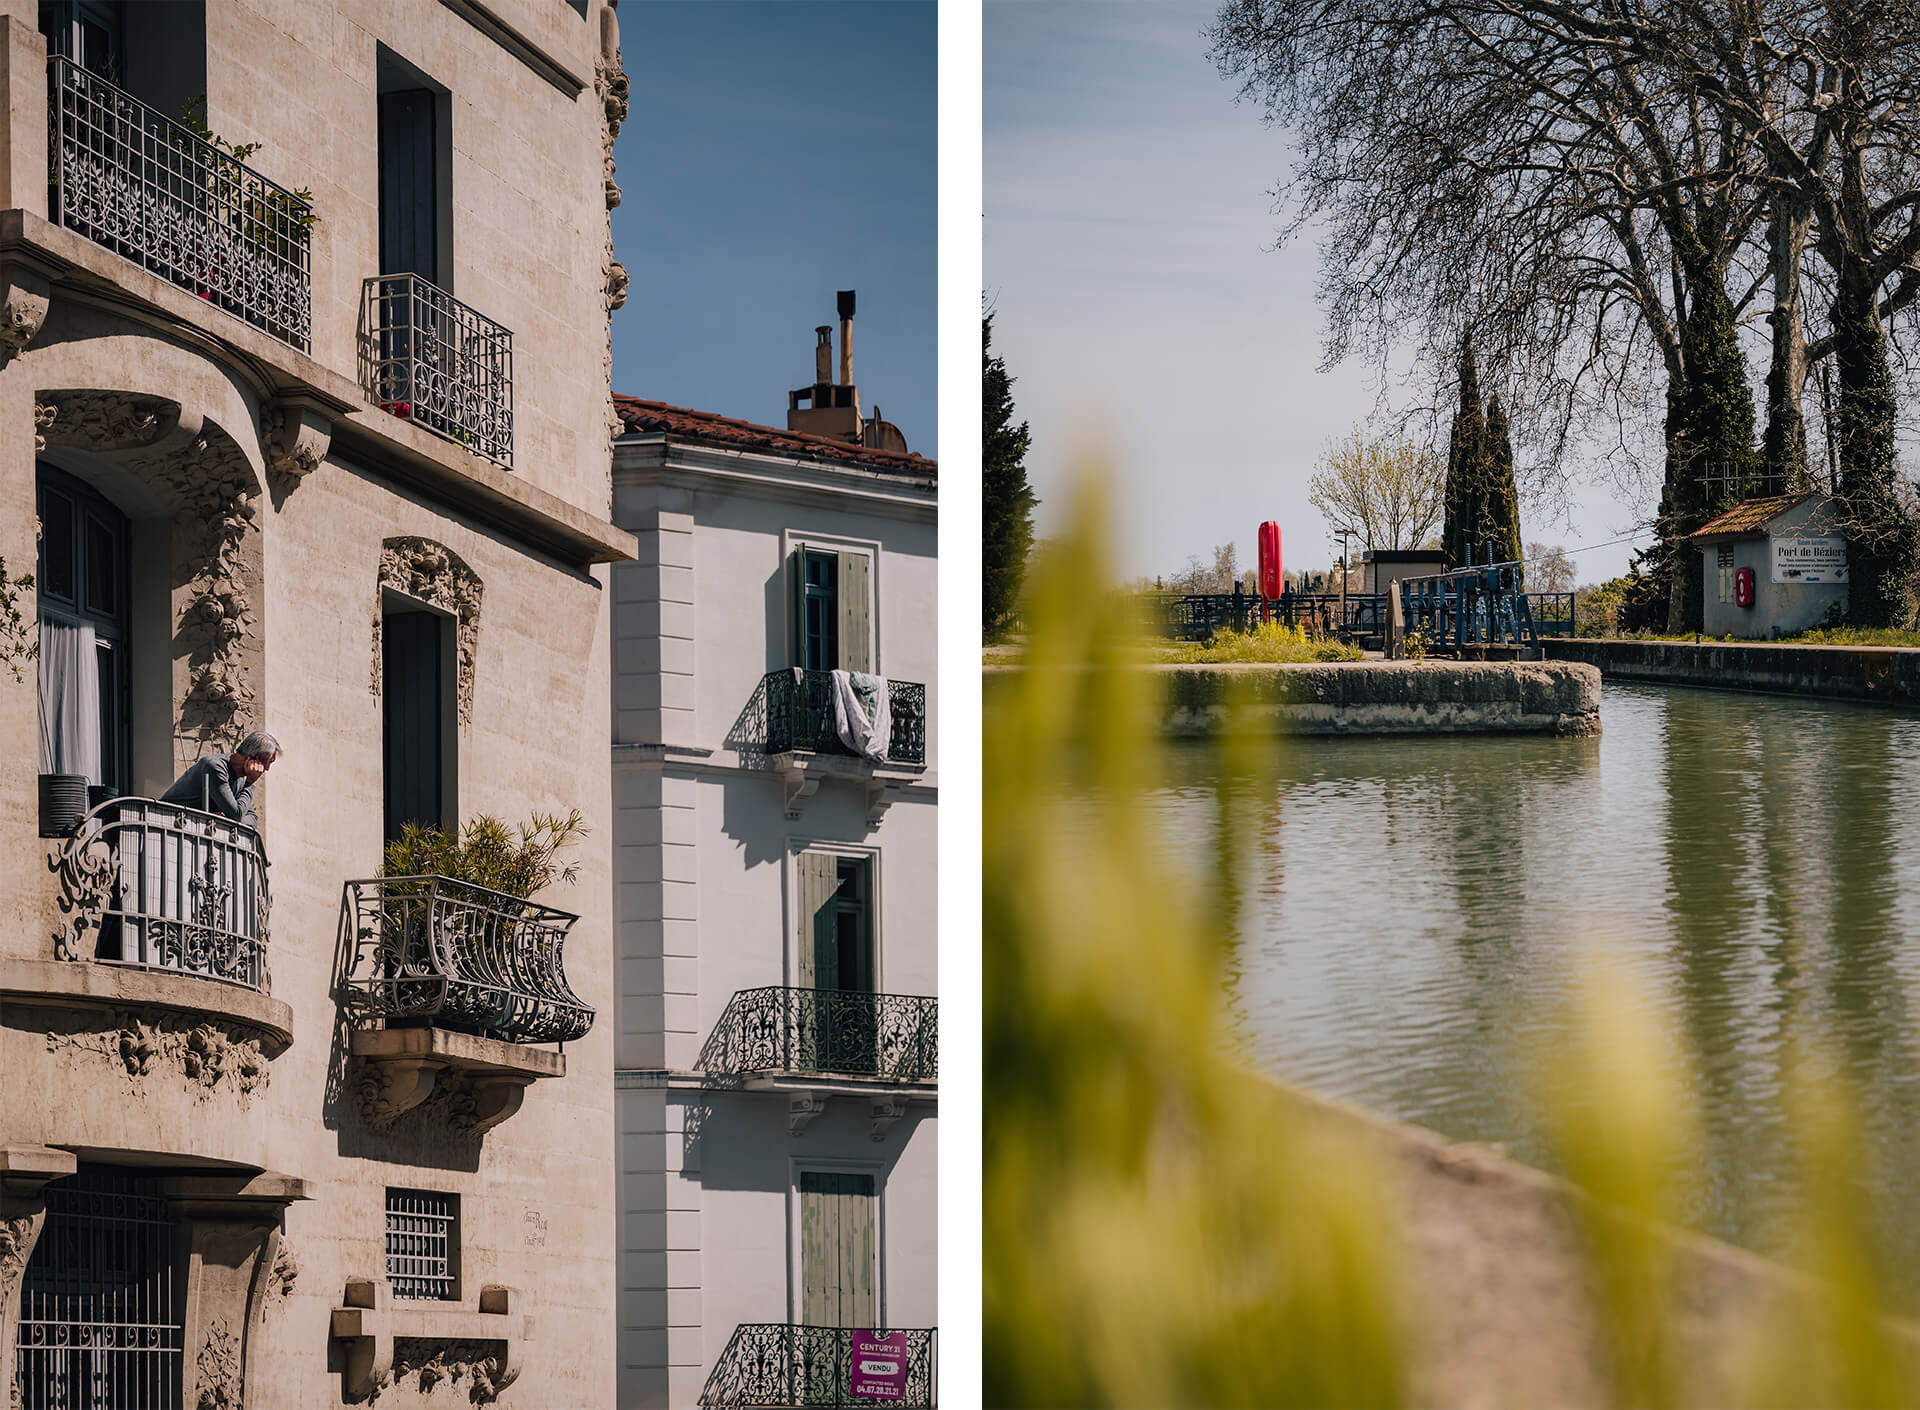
(295, 433)
(881, 794)
(802, 1108)
(480, 1081)
(886, 1112)
(371, 1321)
(25, 296)
(798, 785)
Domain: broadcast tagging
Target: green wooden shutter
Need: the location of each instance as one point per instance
(856, 645)
(816, 874)
(837, 1246)
(796, 609)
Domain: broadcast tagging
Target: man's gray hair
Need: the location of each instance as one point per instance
(259, 745)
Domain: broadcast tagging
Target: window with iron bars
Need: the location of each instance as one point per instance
(423, 1244)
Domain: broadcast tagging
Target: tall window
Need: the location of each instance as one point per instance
(85, 31)
(417, 702)
(831, 618)
(839, 1253)
(85, 710)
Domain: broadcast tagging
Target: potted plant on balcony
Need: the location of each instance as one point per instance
(450, 937)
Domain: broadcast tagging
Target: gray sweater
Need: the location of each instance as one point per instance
(226, 794)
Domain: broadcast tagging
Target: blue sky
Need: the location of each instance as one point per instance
(1141, 305)
(776, 151)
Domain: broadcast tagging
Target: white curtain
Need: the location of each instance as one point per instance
(69, 701)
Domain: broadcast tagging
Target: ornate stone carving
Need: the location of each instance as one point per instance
(206, 1054)
(283, 1275)
(219, 1367)
(432, 1361)
(24, 300)
(16, 1246)
(435, 574)
(42, 418)
(107, 421)
(468, 1104)
(610, 85)
(295, 440)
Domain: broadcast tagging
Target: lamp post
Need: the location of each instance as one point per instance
(1344, 535)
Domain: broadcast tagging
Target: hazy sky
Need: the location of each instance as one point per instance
(1140, 303)
(773, 154)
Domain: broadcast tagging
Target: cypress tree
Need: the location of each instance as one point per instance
(1503, 495)
(1881, 533)
(1711, 459)
(1006, 508)
(1466, 468)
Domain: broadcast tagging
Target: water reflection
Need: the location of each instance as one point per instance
(1415, 909)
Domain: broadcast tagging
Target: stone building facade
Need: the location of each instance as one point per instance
(304, 427)
(777, 1052)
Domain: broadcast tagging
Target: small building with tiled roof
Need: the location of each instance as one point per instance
(703, 428)
(1772, 566)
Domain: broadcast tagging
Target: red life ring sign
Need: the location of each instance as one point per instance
(1743, 587)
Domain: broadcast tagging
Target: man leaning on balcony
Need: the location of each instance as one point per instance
(210, 786)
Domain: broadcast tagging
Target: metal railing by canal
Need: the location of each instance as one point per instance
(1194, 616)
(857, 1034)
(800, 716)
(428, 358)
(429, 949)
(166, 887)
(153, 191)
(774, 1365)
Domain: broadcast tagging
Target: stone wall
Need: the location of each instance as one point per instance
(1881, 675)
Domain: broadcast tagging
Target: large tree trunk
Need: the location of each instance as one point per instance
(1710, 453)
(1784, 451)
(1881, 547)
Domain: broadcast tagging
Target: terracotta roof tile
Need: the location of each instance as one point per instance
(708, 429)
(1749, 516)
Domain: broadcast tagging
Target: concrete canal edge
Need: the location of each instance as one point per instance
(1384, 697)
(1501, 1312)
(1882, 675)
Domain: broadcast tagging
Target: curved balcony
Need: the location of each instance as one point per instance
(775, 1364)
(432, 951)
(142, 185)
(800, 716)
(820, 1031)
(159, 886)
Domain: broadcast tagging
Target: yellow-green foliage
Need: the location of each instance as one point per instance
(1154, 1237)
(1855, 636)
(1269, 641)
(1151, 1237)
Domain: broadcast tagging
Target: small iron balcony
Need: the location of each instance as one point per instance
(153, 191)
(771, 1365)
(433, 951)
(800, 716)
(428, 358)
(840, 1031)
(166, 887)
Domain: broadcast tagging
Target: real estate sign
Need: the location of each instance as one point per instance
(1816, 559)
(879, 1369)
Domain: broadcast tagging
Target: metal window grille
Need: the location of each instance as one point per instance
(423, 1241)
(149, 189)
(103, 1298)
(428, 358)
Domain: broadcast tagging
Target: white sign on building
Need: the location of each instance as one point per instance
(1815, 559)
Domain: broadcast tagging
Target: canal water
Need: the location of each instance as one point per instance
(1418, 907)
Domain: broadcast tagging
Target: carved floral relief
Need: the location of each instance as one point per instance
(433, 573)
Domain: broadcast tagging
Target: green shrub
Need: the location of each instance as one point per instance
(484, 852)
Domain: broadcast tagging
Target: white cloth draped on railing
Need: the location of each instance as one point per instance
(863, 730)
(69, 701)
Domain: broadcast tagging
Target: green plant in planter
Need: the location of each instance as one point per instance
(264, 210)
(520, 861)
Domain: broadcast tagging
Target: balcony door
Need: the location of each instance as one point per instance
(85, 707)
(416, 700)
(839, 1249)
(838, 963)
(831, 620)
(87, 32)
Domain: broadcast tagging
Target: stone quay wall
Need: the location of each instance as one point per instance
(1882, 675)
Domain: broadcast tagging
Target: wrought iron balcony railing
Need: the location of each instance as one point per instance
(149, 189)
(166, 887)
(895, 1036)
(772, 1365)
(428, 358)
(800, 716)
(429, 949)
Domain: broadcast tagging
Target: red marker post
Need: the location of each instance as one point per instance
(1272, 580)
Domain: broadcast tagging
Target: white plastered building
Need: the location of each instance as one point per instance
(775, 903)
